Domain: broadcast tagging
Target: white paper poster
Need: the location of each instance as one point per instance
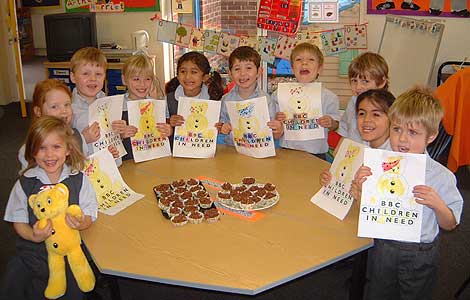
(104, 111)
(112, 193)
(251, 134)
(166, 31)
(388, 207)
(197, 137)
(335, 198)
(147, 143)
(302, 105)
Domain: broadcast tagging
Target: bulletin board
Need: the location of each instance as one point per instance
(129, 5)
(410, 47)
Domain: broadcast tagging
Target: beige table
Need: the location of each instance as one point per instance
(234, 255)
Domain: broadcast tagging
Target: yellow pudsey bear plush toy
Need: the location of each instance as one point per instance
(53, 204)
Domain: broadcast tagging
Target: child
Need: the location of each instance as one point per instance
(52, 98)
(307, 63)
(139, 77)
(244, 70)
(367, 71)
(372, 121)
(87, 71)
(402, 270)
(53, 156)
(193, 79)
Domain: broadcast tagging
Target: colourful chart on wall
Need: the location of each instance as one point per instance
(279, 15)
(112, 6)
(426, 8)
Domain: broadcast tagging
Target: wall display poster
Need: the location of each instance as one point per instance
(183, 35)
(301, 102)
(166, 31)
(333, 41)
(335, 198)
(227, 43)
(148, 143)
(388, 208)
(251, 134)
(279, 15)
(323, 11)
(423, 8)
(355, 36)
(197, 137)
(211, 40)
(266, 48)
(284, 46)
(115, 6)
(196, 39)
(250, 41)
(182, 6)
(104, 111)
(309, 37)
(112, 193)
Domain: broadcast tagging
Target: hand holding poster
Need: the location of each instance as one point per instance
(197, 137)
(112, 193)
(302, 105)
(335, 198)
(251, 134)
(388, 207)
(147, 143)
(104, 111)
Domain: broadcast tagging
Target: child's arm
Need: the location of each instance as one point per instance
(426, 195)
(325, 177)
(281, 116)
(330, 107)
(165, 129)
(176, 120)
(226, 128)
(359, 178)
(124, 130)
(91, 133)
(87, 201)
(328, 122)
(277, 127)
(33, 234)
(80, 222)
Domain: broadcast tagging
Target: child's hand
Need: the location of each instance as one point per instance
(119, 126)
(129, 131)
(328, 122)
(91, 133)
(40, 235)
(325, 177)
(277, 127)
(114, 151)
(426, 195)
(359, 178)
(78, 222)
(280, 116)
(176, 120)
(226, 128)
(218, 125)
(165, 129)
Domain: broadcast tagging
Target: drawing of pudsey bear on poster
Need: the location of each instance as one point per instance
(388, 208)
(302, 105)
(335, 198)
(147, 143)
(251, 134)
(112, 193)
(104, 111)
(197, 137)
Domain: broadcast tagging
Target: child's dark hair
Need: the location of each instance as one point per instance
(244, 53)
(214, 84)
(380, 97)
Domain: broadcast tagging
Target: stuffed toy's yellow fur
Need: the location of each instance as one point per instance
(53, 204)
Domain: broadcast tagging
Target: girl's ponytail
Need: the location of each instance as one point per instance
(215, 86)
(171, 85)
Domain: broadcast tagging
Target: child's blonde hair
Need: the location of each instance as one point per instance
(418, 106)
(307, 47)
(371, 63)
(38, 132)
(42, 88)
(87, 55)
(141, 64)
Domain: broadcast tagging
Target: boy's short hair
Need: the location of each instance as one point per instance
(87, 55)
(418, 105)
(307, 47)
(244, 53)
(371, 63)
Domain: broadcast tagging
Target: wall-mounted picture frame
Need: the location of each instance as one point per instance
(41, 3)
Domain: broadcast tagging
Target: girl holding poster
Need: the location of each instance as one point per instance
(307, 63)
(138, 75)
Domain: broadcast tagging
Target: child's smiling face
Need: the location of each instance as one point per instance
(191, 78)
(51, 156)
(372, 123)
(306, 67)
(245, 74)
(57, 103)
(409, 137)
(138, 85)
(363, 83)
(89, 79)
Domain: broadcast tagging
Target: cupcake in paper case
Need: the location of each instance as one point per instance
(179, 220)
(180, 190)
(201, 194)
(240, 188)
(205, 202)
(186, 195)
(224, 197)
(226, 186)
(178, 183)
(167, 193)
(162, 188)
(192, 182)
(195, 217)
(164, 203)
(174, 211)
(260, 192)
(196, 188)
(247, 203)
(212, 215)
(190, 209)
(270, 198)
(177, 203)
(269, 187)
(191, 202)
(248, 181)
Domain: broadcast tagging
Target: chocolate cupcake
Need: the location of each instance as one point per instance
(212, 215)
(177, 203)
(248, 181)
(167, 193)
(192, 182)
(269, 187)
(201, 194)
(260, 192)
(174, 211)
(195, 217)
(226, 186)
(164, 203)
(224, 197)
(196, 188)
(205, 202)
(190, 208)
(190, 202)
(179, 220)
(186, 195)
(178, 183)
(247, 203)
(180, 190)
(240, 188)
